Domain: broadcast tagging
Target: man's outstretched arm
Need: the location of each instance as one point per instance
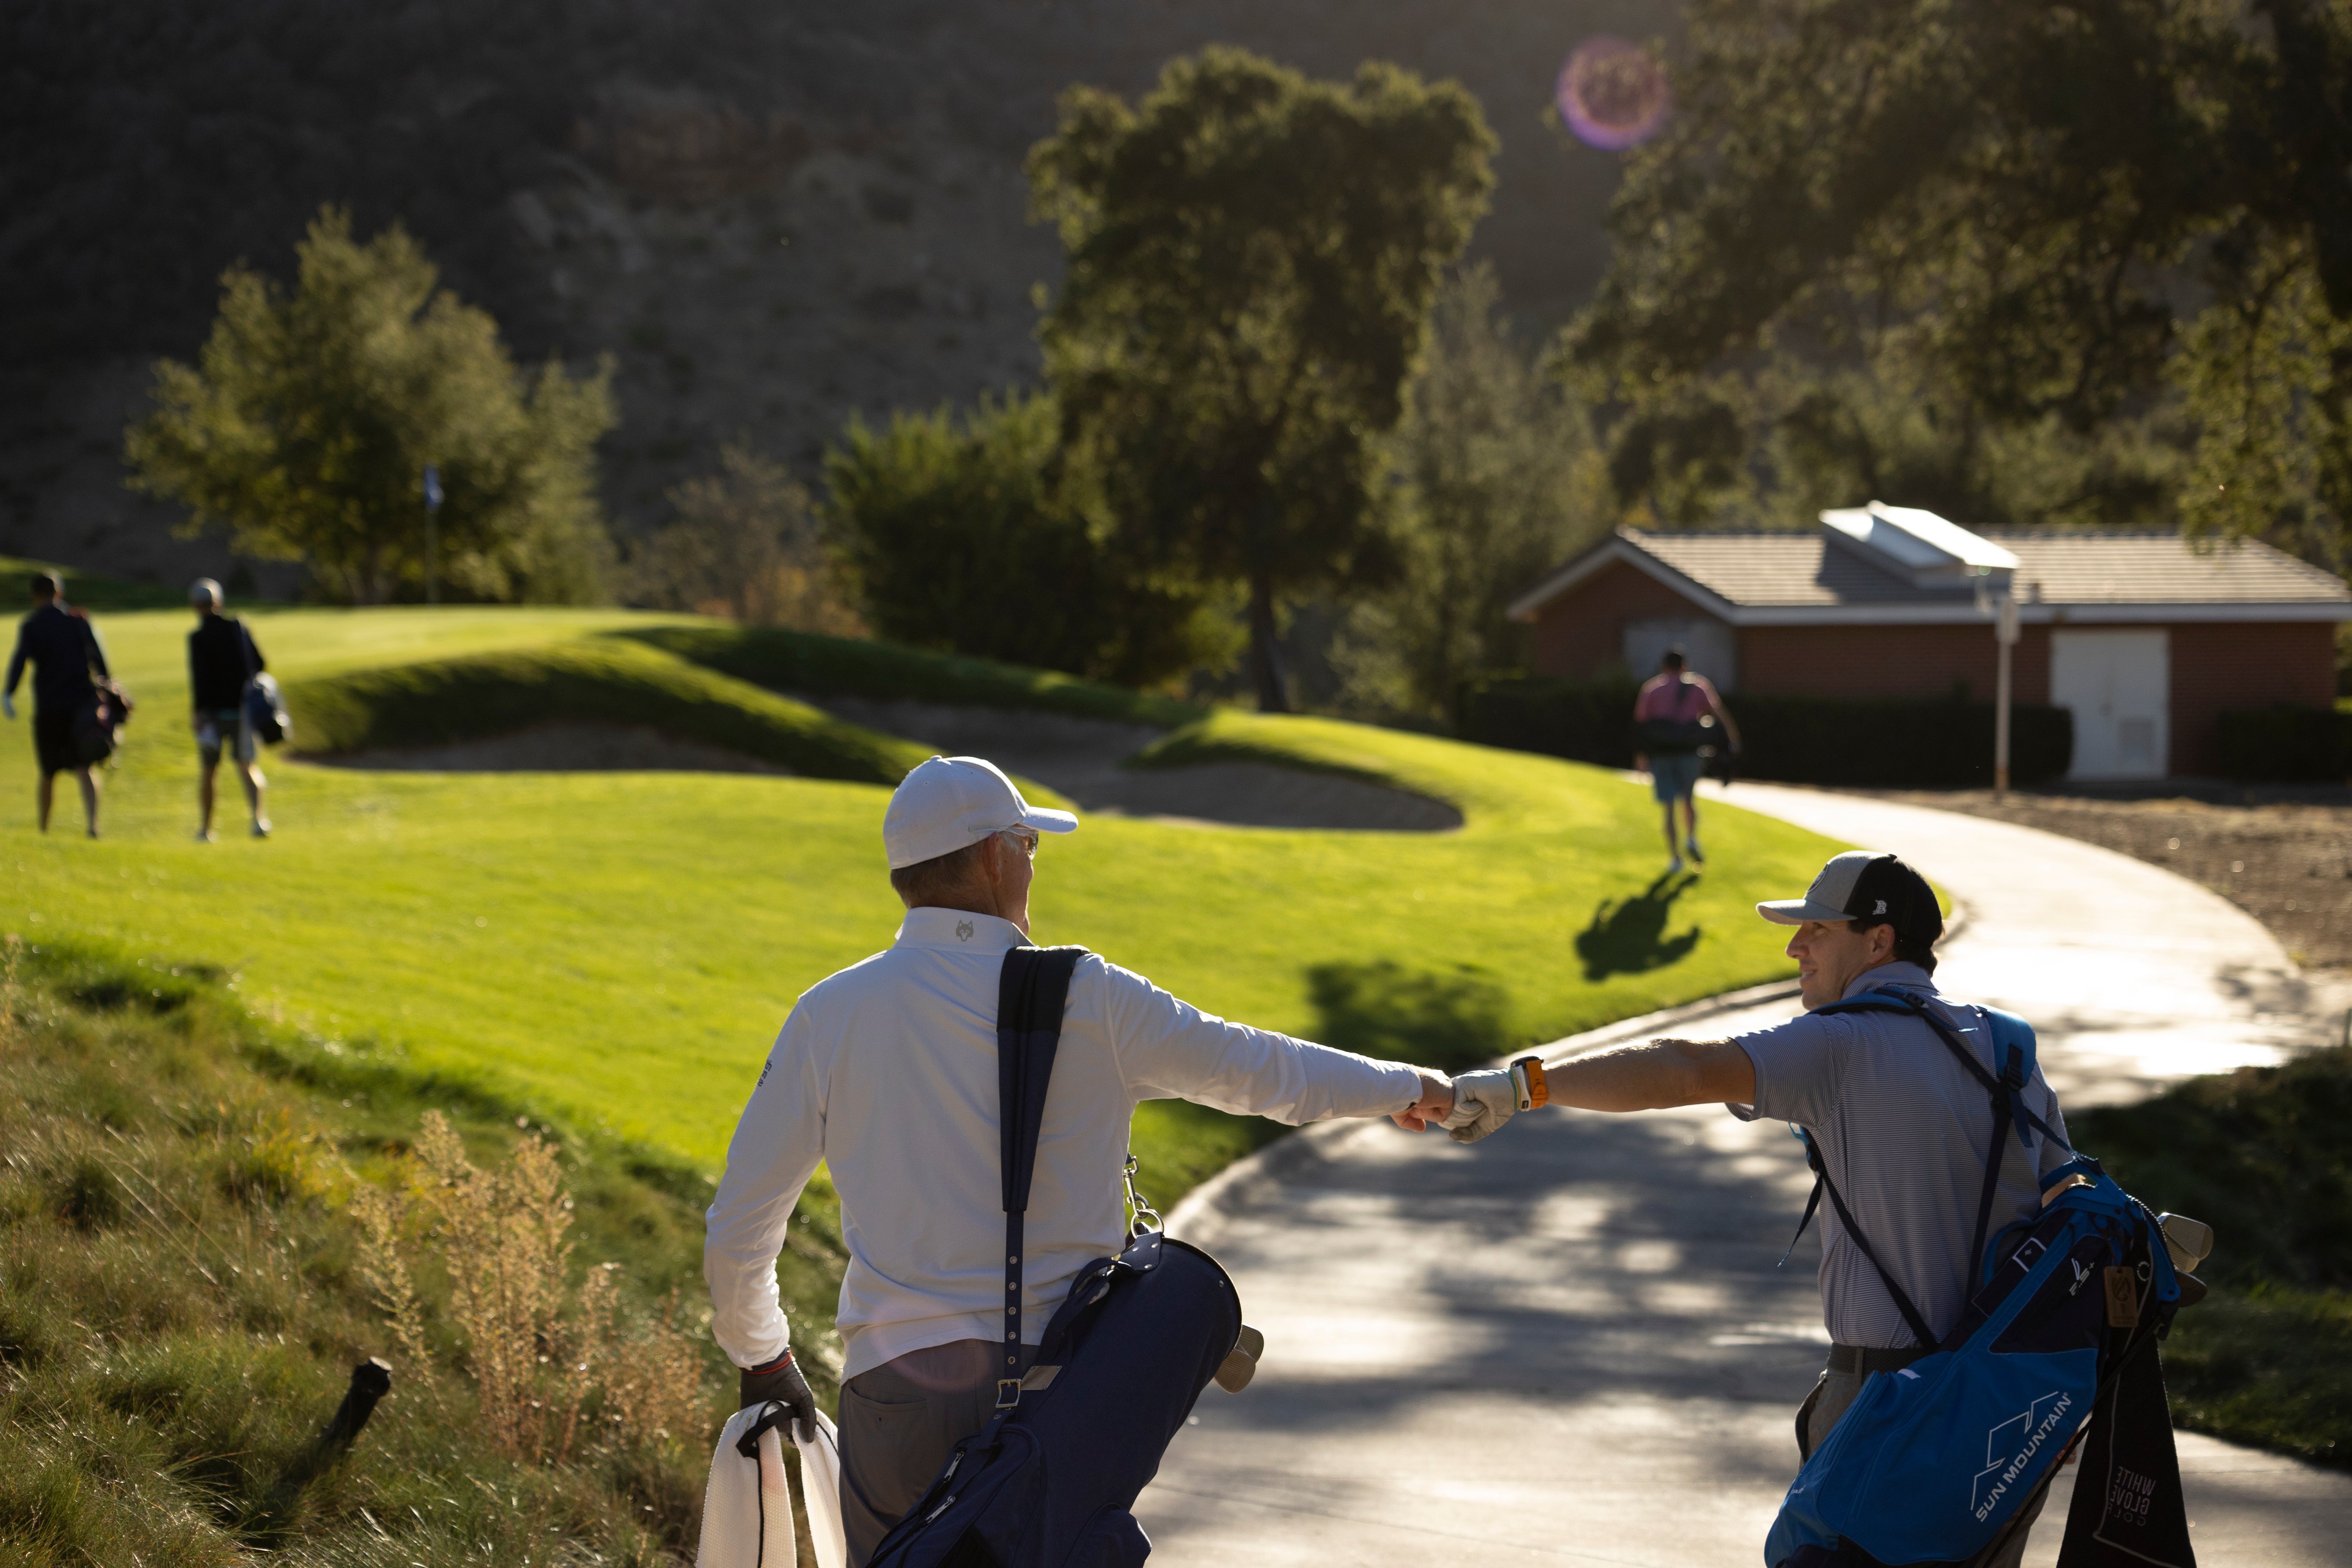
(1649, 1077)
(1654, 1076)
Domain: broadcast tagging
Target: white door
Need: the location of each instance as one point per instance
(2119, 684)
(1705, 642)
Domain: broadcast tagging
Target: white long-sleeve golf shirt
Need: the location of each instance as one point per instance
(887, 1071)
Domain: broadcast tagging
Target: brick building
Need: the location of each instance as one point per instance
(2148, 637)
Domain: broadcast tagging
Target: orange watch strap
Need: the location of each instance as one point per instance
(1538, 1090)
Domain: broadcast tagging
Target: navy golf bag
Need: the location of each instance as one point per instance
(1048, 1483)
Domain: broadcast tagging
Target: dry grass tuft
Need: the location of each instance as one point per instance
(545, 1353)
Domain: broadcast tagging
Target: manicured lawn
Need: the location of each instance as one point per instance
(622, 947)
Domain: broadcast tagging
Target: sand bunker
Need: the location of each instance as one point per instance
(1078, 757)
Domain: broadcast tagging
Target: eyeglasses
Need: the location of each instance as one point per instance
(1024, 836)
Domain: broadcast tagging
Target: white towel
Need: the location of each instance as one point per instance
(747, 1511)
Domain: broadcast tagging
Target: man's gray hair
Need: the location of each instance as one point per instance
(204, 591)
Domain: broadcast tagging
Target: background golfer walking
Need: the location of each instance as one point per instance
(63, 649)
(1669, 736)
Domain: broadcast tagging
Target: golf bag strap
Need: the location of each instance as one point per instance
(2008, 1088)
(1031, 988)
(1912, 1319)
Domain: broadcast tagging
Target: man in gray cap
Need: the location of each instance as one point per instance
(887, 1072)
(223, 659)
(1902, 1129)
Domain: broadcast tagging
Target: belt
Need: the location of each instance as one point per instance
(1856, 1358)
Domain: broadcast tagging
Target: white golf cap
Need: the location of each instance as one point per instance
(950, 802)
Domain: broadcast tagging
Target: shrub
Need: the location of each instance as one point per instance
(2287, 744)
(1873, 742)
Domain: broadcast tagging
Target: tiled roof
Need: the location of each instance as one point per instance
(1794, 570)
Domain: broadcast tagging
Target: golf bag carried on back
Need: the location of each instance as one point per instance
(1048, 1483)
(1936, 1463)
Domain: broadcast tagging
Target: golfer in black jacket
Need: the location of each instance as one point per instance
(222, 660)
(63, 650)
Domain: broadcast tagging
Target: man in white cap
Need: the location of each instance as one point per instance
(1903, 1130)
(887, 1071)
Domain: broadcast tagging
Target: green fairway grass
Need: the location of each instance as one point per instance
(623, 947)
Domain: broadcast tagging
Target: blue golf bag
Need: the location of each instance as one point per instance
(1935, 1462)
(1049, 1481)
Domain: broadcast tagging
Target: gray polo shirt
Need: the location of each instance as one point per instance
(1905, 1129)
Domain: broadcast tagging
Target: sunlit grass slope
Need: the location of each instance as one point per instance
(623, 946)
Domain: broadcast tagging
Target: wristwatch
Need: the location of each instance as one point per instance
(1528, 1081)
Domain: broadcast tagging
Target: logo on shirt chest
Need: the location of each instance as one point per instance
(963, 931)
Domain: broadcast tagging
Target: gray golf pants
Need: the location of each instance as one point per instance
(898, 1423)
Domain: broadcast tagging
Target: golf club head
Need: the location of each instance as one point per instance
(1234, 1373)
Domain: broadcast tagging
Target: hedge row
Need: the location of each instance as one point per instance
(2287, 744)
(1890, 744)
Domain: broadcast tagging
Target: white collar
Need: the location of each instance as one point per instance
(930, 927)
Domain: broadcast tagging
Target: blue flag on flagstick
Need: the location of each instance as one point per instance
(432, 486)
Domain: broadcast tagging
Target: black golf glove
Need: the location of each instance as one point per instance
(781, 1381)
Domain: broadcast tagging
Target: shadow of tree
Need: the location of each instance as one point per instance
(1449, 1019)
(1628, 937)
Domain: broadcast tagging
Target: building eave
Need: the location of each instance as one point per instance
(2045, 614)
(1618, 547)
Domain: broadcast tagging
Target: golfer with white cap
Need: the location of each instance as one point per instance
(887, 1072)
(1902, 1129)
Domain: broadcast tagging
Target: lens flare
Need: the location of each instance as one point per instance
(1612, 94)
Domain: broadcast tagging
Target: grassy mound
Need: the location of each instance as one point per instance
(619, 949)
(839, 666)
(188, 1288)
(600, 679)
(2264, 1156)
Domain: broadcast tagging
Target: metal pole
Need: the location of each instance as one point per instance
(432, 533)
(2005, 636)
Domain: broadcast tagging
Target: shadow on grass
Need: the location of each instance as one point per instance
(1450, 1018)
(1628, 937)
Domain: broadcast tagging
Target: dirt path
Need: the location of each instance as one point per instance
(2287, 864)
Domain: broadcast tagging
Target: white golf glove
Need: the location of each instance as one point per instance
(8, 706)
(1482, 1102)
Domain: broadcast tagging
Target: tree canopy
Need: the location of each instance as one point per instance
(305, 426)
(1501, 481)
(2044, 216)
(1251, 261)
(976, 534)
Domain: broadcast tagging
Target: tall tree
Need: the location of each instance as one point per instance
(1251, 258)
(747, 537)
(1502, 481)
(306, 424)
(2004, 202)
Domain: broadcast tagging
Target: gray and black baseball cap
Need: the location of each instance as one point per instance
(1869, 885)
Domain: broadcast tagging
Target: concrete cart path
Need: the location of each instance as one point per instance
(1570, 1344)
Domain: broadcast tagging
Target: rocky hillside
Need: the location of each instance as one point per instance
(772, 212)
